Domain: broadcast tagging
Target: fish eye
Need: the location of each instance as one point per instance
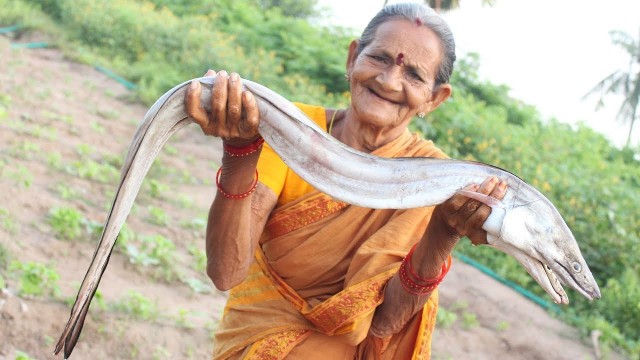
(576, 267)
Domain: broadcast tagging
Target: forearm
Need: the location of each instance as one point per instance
(233, 226)
(399, 305)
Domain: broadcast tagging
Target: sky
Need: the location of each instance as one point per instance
(549, 52)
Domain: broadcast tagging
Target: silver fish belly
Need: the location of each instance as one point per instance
(527, 226)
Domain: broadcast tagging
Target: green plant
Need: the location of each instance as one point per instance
(67, 223)
(96, 127)
(156, 189)
(25, 150)
(4, 256)
(22, 356)
(137, 305)
(67, 192)
(198, 286)
(199, 257)
(182, 319)
(108, 114)
(22, 176)
(197, 223)
(469, 320)
(8, 223)
(54, 159)
(156, 251)
(93, 170)
(157, 216)
(35, 279)
(502, 326)
(84, 149)
(160, 353)
(445, 318)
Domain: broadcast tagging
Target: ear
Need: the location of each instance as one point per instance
(352, 55)
(440, 95)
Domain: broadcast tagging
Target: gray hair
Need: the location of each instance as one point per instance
(428, 17)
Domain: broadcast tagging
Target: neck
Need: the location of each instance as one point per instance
(360, 135)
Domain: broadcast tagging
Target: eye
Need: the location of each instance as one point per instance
(576, 267)
(414, 75)
(378, 58)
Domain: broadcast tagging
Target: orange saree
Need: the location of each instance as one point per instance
(319, 274)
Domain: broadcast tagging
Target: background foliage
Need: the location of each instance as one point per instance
(159, 43)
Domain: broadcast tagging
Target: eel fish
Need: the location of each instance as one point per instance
(524, 224)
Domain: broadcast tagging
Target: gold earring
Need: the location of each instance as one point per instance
(346, 77)
(421, 115)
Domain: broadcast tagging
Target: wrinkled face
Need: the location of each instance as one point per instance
(392, 79)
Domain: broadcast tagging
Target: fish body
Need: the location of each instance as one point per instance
(524, 224)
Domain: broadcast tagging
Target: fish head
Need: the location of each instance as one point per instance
(536, 235)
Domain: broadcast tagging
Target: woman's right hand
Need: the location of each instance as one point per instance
(234, 113)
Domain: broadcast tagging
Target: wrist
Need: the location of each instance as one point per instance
(241, 146)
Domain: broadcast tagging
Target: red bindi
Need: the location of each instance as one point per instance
(418, 22)
(400, 59)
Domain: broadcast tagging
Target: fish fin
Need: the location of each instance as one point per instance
(485, 199)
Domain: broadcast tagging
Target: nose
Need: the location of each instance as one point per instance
(390, 79)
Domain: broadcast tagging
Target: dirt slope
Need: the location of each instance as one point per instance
(64, 129)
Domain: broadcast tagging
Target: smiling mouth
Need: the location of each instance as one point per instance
(382, 97)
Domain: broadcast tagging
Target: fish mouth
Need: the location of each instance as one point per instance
(570, 280)
(547, 279)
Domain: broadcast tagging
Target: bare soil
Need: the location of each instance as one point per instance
(57, 118)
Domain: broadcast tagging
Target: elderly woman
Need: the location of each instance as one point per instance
(311, 277)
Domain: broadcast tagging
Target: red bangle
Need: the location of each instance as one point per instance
(238, 196)
(413, 283)
(244, 150)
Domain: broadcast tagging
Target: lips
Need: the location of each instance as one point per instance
(382, 97)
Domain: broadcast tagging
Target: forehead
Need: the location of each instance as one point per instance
(418, 43)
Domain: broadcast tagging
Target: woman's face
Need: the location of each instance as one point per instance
(392, 79)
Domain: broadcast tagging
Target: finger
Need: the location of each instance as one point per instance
(193, 105)
(252, 115)
(458, 201)
(210, 73)
(500, 190)
(219, 103)
(487, 186)
(492, 187)
(234, 105)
